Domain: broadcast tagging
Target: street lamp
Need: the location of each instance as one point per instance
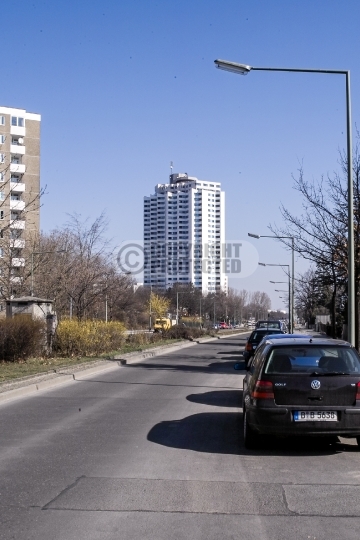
(292, 301)
(291, 305)
(32, 264)
(244, 69)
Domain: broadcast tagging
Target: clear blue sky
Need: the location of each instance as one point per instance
(124, 87)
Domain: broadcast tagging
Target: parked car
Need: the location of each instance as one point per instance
(272, 324)
(297, 387)
(254, 339)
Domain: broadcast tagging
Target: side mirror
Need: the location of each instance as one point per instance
(238, 366)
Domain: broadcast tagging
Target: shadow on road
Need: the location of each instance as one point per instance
(221, 433)
(237, 352)
(218, 398)
(216, 433)
(223, 343)
(226, 367)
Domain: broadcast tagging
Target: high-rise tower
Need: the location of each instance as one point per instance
(184, 231)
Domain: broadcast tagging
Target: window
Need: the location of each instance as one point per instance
(2, 158)
(17, 121)
(1, 252)
(1, 214)
(2, 139)
(1, 176)
(2, 196)
(2, 120)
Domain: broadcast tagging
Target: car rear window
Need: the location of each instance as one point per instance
(258, 336)
(313, 359)
(269, 324)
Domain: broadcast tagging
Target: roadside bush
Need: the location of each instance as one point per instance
(144, 338)
(183, 332)
(88, 338)
(21, 337)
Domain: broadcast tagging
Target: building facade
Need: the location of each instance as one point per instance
(19, 190)
(184, 231)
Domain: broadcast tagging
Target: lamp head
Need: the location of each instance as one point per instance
(262, 264)
(254, 235)
(241, 69)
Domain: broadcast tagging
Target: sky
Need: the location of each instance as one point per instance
(124, 87)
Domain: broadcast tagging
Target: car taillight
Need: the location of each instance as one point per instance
(358, 391)
(263, 390)
(249, 347)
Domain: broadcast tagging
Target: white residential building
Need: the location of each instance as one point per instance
(184, 231)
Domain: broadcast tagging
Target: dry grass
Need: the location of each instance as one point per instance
(34, 366)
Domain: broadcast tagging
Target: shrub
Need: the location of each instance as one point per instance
(144, 338)
(88, 338)
(21, 337)
(183, 332)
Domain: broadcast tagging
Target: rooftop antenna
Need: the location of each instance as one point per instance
(171, 167)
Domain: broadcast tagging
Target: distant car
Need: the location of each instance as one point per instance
(297, 387)
(224, 325)
(254, 339)
(268, 323)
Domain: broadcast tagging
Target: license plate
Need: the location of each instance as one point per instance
(315, 416)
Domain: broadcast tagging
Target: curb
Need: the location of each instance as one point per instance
(131, 358)
(79, 374)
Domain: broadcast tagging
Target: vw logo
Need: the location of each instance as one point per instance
(315, 385)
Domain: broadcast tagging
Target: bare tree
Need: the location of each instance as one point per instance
(76, 268)
(320, 232)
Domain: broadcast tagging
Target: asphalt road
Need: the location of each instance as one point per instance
(154, 451)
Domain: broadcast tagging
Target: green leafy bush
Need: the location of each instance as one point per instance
(21, 337)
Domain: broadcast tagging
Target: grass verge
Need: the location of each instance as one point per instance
(35, 366)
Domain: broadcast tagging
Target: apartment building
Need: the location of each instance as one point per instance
(19, 186)
(184, 231)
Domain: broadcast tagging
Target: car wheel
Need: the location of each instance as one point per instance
(251, 439)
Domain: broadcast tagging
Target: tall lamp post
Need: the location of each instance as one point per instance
(292, 301)
(243, 69)
(291, 305)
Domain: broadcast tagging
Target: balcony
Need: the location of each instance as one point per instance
(17, 130)
(17, 168)
(18, 261)
(17, 224)
(17, 205)
(17, 149)
(17, 187)
(17, 243)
